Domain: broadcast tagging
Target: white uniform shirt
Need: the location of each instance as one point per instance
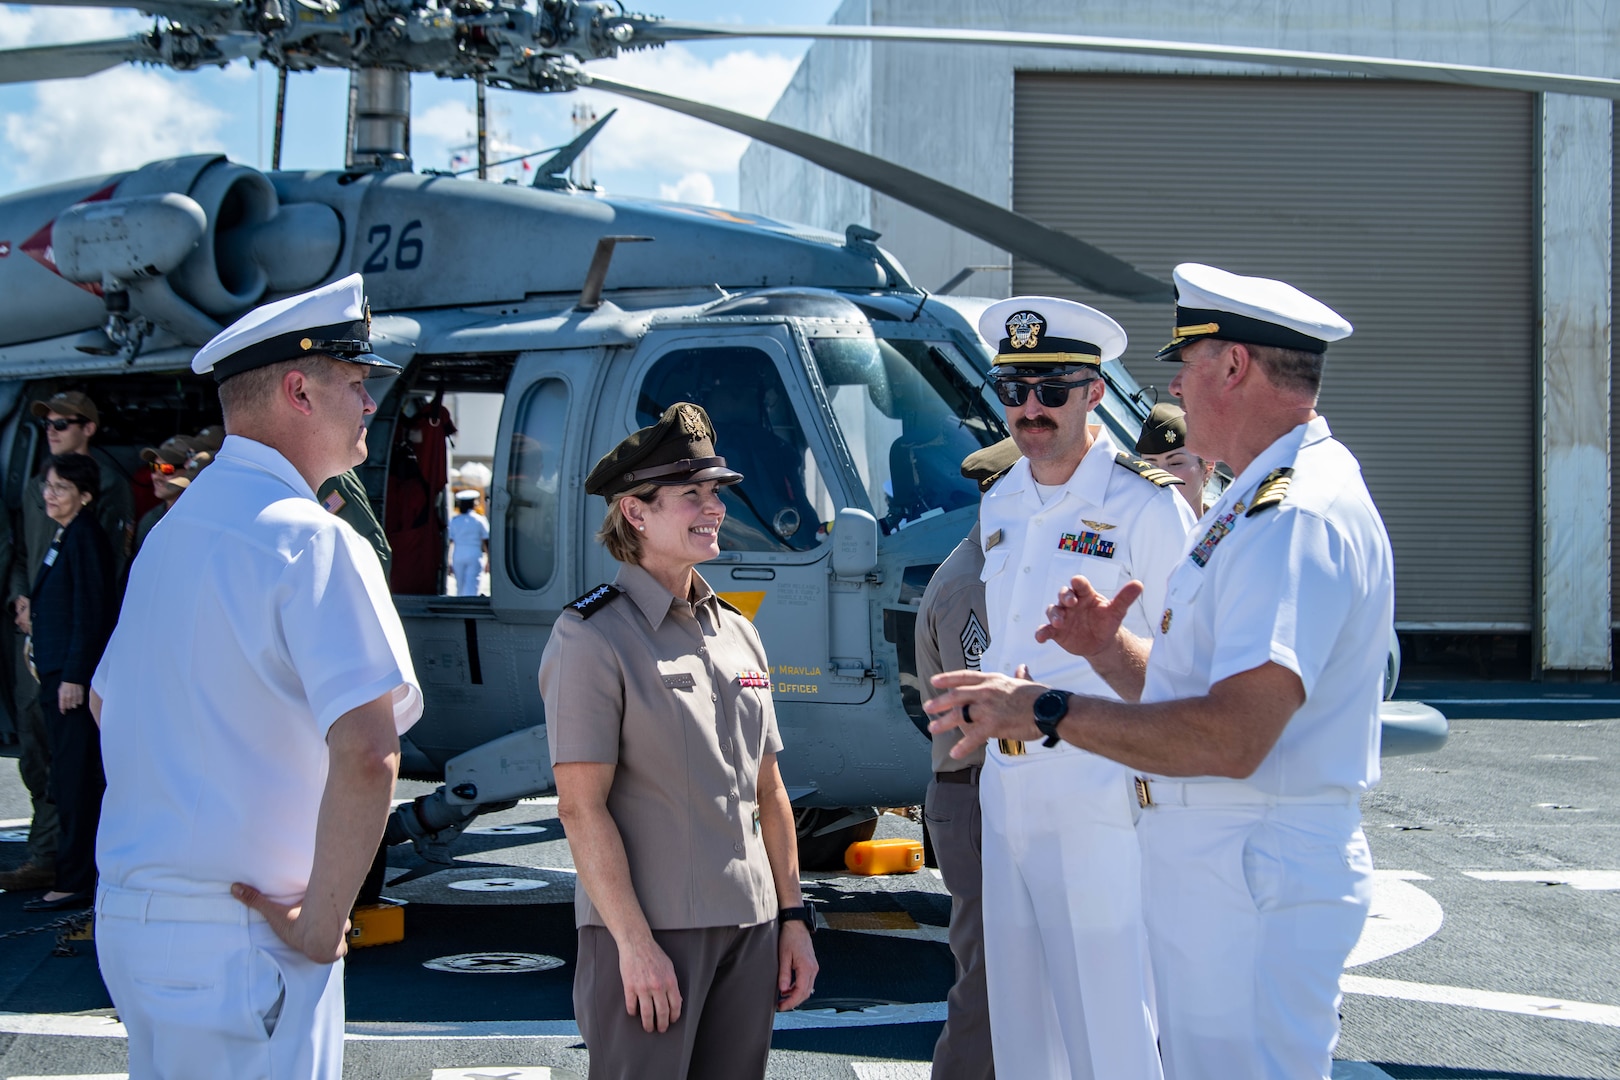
(1308, 585)
(253, 620)
(1107, 523)
(468, 532)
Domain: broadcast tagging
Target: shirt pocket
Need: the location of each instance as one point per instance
(1173, 648)
(1105, 575)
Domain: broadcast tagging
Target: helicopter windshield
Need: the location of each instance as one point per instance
(909, 415)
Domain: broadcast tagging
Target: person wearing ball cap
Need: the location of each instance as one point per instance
(1065, 950)
(249, 774)
(1250, 710)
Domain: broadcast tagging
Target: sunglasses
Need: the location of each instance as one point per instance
(163, 468)
(62, 425)
(1051, 393)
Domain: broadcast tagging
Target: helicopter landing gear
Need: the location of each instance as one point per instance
(824, 833)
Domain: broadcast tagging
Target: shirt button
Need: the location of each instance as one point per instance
(1016, 618)
(725, 744)
(714, 697)
(1026, 569)
(736, 848)
(732, 795)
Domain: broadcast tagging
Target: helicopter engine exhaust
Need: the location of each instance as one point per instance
(182, 246)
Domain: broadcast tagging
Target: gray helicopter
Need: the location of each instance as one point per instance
(846, 394)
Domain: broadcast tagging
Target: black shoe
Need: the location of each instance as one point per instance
(71, 902)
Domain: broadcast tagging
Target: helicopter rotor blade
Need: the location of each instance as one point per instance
(177, 49)
(38, 62)
(1028, 239)
(662, 32)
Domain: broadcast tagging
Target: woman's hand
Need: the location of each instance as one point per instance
(796, 966)
(69, 696)
(650, 989)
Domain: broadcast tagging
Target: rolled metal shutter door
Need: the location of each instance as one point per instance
(1409, 208)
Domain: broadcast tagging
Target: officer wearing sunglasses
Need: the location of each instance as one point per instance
(1065, 950)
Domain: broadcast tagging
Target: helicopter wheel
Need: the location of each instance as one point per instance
(826, 852)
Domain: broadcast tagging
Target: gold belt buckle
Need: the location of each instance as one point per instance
(1144, 796)
(1011, 747)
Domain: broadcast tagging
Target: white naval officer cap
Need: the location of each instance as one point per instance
(1046, 335)
(1216, 303)
(332, 320)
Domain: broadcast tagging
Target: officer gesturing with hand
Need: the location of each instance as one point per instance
(1250, 709)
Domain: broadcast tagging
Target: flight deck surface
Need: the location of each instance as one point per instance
(1493, 950)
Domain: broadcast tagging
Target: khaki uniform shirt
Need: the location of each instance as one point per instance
(676, 696)
(951, 634)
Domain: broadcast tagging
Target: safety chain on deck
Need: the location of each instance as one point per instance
(68, 928)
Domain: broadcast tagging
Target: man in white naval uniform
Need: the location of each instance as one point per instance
(1258, 693)
(249, 770)
(1065, 949)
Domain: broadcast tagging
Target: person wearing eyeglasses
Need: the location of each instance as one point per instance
(73, 603)
(1066, 957)
(174, 465)
(69, 421)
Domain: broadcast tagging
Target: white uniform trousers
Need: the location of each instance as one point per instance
(1066, 959)
(1251, 913)
(467, 572)
(207, 992)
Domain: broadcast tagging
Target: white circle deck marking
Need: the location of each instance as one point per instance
(503, 830)
(494, 963)
(1402, 916)
(498, 884)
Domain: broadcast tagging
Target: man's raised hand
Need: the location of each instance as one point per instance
(1083, 621)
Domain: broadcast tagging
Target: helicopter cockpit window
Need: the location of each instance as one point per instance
(908, 416)
(532, 484)
(781, 503)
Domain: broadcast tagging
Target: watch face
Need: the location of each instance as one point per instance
(1051, 706)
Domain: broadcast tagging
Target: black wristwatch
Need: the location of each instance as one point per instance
(797, 914)
(1051, 707)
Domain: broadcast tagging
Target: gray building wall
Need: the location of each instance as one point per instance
(948, 111)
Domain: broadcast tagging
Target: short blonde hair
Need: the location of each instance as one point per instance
(621, 538)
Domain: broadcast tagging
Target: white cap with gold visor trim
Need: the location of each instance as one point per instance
(1038, 336)
(1216, 303)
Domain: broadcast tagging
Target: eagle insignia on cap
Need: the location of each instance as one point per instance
(1024, 329)
(692, 422)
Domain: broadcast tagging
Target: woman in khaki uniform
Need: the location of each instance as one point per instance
(692, 932)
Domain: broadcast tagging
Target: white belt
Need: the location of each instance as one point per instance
(1150, 792)
(169, 907)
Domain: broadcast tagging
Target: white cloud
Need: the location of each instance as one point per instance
(646, 136)
(21, 26)
(448, 121)
(694, 187)
(73, 131)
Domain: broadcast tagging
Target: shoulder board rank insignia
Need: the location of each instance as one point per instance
(594, 601)
(1146, 471)
(1273, 490)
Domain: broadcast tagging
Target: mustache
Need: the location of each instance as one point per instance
(1038, 423)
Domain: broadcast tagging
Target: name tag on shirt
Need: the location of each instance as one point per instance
(992, 540)
(683, 681)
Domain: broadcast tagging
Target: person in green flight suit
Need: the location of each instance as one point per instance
(345, 496)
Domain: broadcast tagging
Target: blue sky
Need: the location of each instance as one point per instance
(122, 118)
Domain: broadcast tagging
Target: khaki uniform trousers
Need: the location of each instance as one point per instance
(952, 812)
(727, 978)
(1066, 953)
